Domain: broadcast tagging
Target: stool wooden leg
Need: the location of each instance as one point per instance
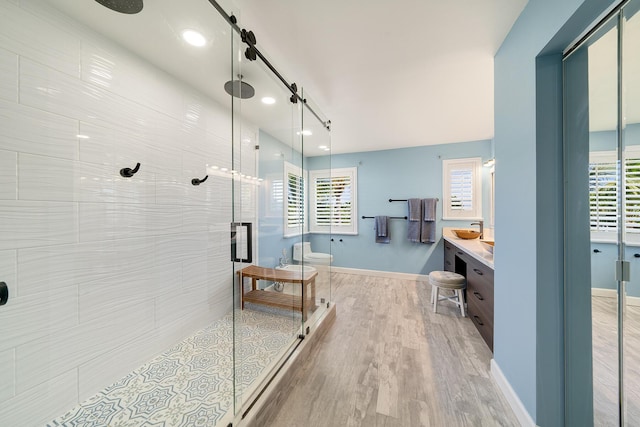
(461, 301)
(435, 298)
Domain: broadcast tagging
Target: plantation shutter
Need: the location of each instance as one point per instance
(295, 200)
(603, 195)
(333, 201)
(462, 189)
(632, 205)
(295, 189)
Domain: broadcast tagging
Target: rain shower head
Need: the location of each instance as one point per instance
(239, 89)
(123, 6)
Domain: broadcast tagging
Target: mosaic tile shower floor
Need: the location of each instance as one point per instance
(191, 384)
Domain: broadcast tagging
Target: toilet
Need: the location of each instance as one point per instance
(302, 253)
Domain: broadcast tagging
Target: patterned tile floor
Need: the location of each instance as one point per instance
(191, 384)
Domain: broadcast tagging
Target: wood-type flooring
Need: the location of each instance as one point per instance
(390, 361)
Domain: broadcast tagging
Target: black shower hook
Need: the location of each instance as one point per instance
(128, 172)
(196, 181)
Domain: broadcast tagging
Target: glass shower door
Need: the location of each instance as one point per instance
(269, 192)
(630, 299)
(316, 141)
(602, 175)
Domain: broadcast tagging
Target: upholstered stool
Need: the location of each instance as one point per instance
(450, 281)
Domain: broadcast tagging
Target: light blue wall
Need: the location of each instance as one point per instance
(273, 153)
(398, 174)
(606, 140)
(528, 332)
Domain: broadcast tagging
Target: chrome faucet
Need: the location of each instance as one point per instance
(481, 224)
(284, 261)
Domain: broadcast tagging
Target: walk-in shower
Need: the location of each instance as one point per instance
(136, 196)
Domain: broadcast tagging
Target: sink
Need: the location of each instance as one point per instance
(488, 245)
(467, 234)
(298, 268)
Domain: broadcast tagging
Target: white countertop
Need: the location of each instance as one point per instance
(471, 246)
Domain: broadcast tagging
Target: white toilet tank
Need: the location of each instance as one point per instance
(299, 249)
(302, 253)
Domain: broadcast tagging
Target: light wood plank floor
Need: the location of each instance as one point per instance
(605, 362)
(390, 361)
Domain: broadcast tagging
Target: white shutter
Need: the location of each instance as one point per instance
(603, 192)
(462, 188)
(295, 187)
(603, 195)
(632, 205)
(333, 201)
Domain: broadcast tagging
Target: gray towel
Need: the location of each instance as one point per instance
(429, 207)
(414, 224)
(415, 209)
(382, 229)
(428, 231)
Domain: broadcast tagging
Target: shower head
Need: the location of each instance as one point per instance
(239, 89)
(123, 6)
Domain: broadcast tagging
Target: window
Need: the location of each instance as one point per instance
(462, 189)
(603, 193)
(295, 212)
(334, 195)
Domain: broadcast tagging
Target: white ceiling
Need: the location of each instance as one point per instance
(387, 74)
(390, 74)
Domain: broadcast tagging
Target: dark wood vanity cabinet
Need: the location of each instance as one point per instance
(479, 292)
(449, 257)
(480, 299)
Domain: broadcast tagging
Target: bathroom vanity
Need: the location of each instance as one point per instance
(469, 258)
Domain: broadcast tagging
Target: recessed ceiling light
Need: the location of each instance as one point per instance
(322, 147)
(194, 38)
(305, 132)
(268, 100)
(82, 136)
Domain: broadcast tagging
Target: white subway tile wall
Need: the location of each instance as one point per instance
(104, 272)
(8, 175)
(9, 71)
(7, 374)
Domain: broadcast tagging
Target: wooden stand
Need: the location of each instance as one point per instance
(277, 299)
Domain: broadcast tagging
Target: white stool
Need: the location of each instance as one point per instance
(450, 281)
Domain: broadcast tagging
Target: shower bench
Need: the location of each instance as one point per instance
(277, 299)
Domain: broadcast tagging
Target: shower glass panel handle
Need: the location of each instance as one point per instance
(241, 234)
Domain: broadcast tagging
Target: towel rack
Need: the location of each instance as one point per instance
(391, 217)
(402, 200)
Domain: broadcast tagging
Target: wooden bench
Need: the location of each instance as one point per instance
(278, 299)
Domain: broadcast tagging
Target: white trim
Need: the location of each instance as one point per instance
(514, 401)
(377, 273)
(298, 230)
(612, 293)
(332, 228)
(474, 164)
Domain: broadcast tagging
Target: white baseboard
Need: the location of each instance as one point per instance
(519, 410)
(612, 293)
(377, 273)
